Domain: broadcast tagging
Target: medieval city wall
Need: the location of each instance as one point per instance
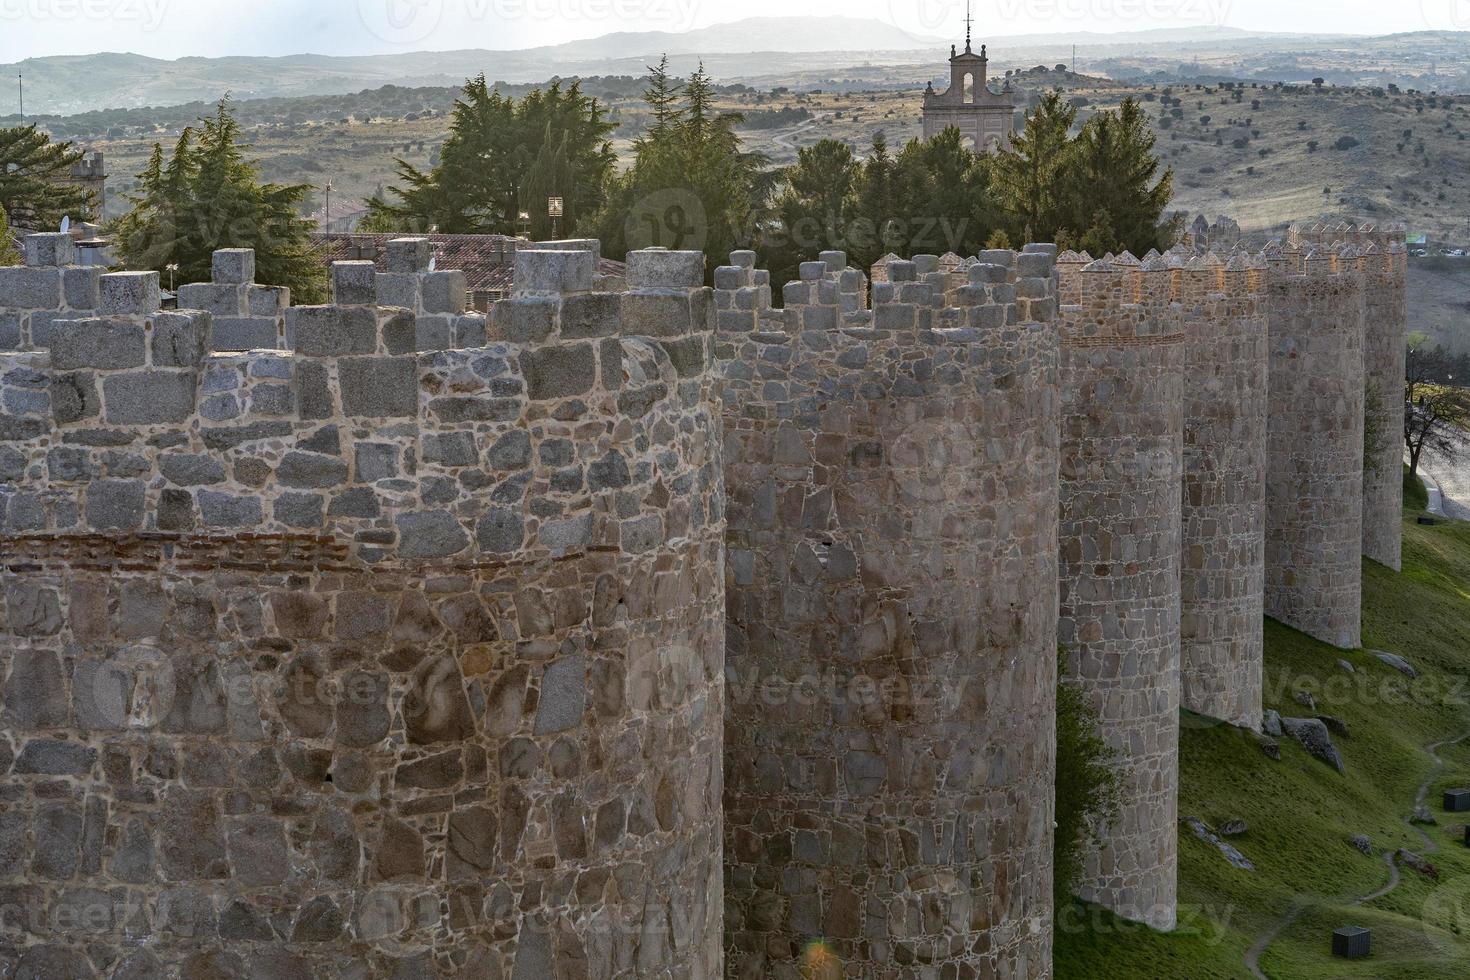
(391, 634)
(1383, 262)
(1122, 360)
(359, 656)
(1314, 481)
(1222, 549)
(891, 590)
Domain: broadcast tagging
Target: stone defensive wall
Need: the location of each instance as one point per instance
(891, 633)
(1222, 548)
(388, 639)
(1123, 345)
(1383, 260)
(395, 651)
(1314, 482)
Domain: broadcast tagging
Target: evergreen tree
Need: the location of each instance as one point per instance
(1030, 177)
(816, 207)
(877, 208)
(662, 98)
(944, 200)
(9, 254)
(207, 196)
(690, 186)
(1115, 192)
(35, 173)
(502, 157)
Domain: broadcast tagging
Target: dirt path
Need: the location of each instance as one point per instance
(784, 140)
(1253, 955)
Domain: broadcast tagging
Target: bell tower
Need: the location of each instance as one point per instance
(984, 118)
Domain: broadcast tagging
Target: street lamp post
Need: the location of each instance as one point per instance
(555, 210)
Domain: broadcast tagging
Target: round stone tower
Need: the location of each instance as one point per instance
(1122, 429)
(1314, 482)
(367, 658)
(1385, 328)
(1223, 524)
(891, 591)
(1384, 266)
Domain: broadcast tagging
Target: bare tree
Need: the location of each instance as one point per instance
(1436, 413)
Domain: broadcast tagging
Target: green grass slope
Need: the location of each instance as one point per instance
(1301, 813)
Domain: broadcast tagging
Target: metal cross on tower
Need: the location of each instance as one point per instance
(968, 20)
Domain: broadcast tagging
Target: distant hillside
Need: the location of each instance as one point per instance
(69, 84)
(756, 50)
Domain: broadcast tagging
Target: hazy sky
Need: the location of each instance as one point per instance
(172, 28)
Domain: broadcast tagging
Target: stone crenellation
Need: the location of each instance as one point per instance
(892, 481)
(387, 633)
(244, 316)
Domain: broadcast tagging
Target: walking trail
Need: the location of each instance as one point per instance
(1253, 955)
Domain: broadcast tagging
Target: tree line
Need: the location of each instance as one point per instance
(1099, 187)
(690, 184)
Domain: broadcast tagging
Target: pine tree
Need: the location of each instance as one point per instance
(1029, 178)
(1116, 194)
(877, 207)
(944, 199)
(662, 98)
(690, 186)
(35, 173)
(491, 165)
(9, 254)
(817, 205)
(207, 196)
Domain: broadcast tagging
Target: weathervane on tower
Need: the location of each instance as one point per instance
(968, 21)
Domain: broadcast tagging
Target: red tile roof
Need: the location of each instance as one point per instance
(487, 261)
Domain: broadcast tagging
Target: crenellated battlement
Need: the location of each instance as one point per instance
(363, 424)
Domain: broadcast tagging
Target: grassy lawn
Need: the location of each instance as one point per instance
(1301, 813)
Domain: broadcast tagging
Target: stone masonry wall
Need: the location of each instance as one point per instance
(1314, 484)
(49, 287)
(1224, 507)
(1121, 468)
(1384, 263)
(244, 316)
(354, 661)
(891, 592)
